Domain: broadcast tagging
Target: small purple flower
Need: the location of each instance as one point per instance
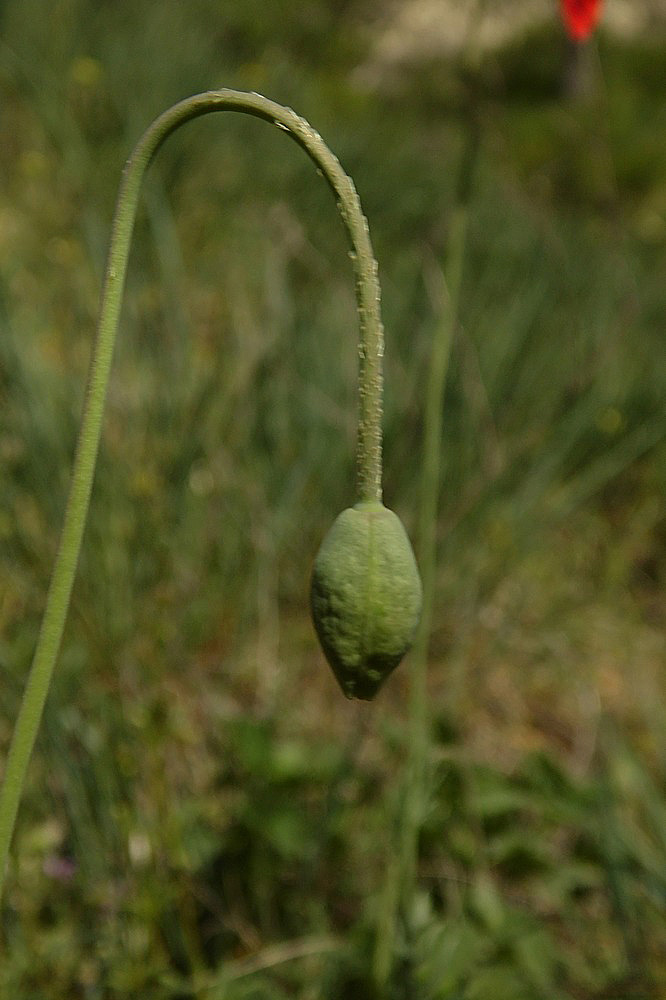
(60, 868)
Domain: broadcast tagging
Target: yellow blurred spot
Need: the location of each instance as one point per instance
(44, 837)
(145, 483)
(610, 420)
(86, 72)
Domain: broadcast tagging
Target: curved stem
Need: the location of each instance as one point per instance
(370, 391)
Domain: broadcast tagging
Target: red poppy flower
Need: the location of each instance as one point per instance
(580, 17)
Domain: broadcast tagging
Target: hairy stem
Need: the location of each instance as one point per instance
(371, 351)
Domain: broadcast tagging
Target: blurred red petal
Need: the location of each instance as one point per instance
(580, 17)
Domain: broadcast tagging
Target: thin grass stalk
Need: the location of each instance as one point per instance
(401, 880)
(419, 718)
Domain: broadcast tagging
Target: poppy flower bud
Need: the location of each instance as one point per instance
(365, 597)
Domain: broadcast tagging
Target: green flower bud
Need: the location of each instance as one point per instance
(365, 597)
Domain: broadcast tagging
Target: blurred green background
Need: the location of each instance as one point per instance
(206, 816)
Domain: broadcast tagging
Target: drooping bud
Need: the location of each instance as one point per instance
(365, 597)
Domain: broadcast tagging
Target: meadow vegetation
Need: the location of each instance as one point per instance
(206, 816)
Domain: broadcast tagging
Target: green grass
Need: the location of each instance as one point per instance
(206, 816)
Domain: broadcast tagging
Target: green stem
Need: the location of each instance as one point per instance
(371, 350)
